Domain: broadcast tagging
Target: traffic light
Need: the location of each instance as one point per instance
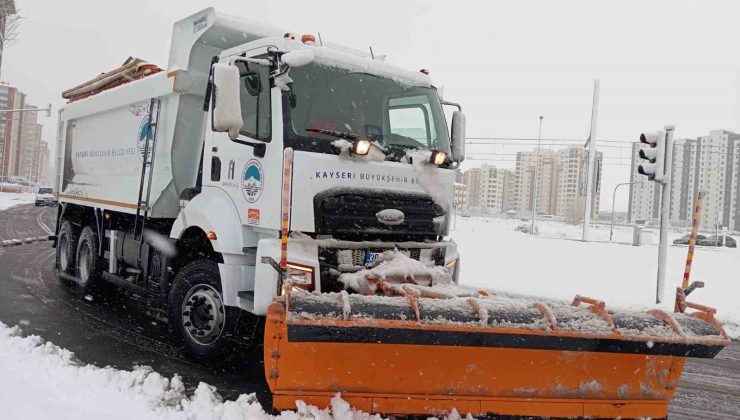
(654, 153)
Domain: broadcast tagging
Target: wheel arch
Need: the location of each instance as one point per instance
(211, 211)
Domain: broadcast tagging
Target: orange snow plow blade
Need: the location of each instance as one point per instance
(484, 356)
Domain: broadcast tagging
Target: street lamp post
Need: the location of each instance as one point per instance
(536, 177)
(614, 198)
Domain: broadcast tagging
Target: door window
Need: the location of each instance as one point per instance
(254, 92)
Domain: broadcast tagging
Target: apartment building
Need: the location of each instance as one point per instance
(717, 169)
(487, 188)
(561, 182)
(460, 196)
(571, 183)
(20, 136)
(471, 178)
(10, 129)
(544, 167)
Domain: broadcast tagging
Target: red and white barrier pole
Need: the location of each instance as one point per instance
(692, 241)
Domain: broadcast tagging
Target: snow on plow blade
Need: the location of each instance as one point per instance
(491, 355)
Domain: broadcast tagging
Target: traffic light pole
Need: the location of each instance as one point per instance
(665, 212)
(591, 163)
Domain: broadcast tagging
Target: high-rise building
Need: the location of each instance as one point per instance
(683, 181)
(29, 147)
(492, 189)
(20, 136)
(561, 182)
(560, 179)
(45, 164)
(543, 167)
(571, 183)
(487, 188)
(10, 129)
(509, 201)
(471, 178)
(460, 196)
(717, 169)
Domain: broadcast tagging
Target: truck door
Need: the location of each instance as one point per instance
(249, 168)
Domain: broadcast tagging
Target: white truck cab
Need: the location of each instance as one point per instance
(182, 184)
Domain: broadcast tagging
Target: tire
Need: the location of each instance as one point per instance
(66, 251)
(88, 269)
(197, 312)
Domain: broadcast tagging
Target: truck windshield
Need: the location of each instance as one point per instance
(45, 191)
(326, 103)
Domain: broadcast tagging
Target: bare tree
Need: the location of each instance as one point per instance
(10, 22)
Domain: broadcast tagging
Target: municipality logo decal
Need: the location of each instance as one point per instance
(252, 180)
(145, 131)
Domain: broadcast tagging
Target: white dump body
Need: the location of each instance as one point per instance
(100, 138)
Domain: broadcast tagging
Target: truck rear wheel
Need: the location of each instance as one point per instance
(88, 269)
(197, 311)
(66, 251)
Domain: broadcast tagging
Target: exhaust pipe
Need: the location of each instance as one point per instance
(113, 255)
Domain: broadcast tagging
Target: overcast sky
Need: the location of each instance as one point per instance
(507, 62)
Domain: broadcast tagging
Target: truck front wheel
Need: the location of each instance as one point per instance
(197, 310)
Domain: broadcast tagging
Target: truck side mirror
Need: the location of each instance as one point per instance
(227, 109)
(458, 136)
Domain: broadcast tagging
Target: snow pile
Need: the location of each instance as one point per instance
(334, 58)
(44, 381)
(344, 146)
(393, 266)
(8, 200)
(298, 58)
(229, 117)
(430, 177)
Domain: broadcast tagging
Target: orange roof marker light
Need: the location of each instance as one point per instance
(308, 39)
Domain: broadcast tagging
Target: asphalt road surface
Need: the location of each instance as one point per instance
(109, 333)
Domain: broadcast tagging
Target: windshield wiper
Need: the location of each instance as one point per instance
(333, 133)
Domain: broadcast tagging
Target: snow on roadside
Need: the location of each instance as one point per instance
(8, 199)
(558, 265)
(43, 381)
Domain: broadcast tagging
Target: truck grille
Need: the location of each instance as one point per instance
(351, 214)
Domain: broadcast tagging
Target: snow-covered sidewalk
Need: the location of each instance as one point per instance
(43, 381)
(8, 200)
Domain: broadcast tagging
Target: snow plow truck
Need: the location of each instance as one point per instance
(271, 188)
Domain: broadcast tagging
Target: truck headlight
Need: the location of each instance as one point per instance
(361, 147)
(438, 157)
(300, 277)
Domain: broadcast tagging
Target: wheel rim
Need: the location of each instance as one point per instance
(63, 249)
(84, 262)
(203, 314)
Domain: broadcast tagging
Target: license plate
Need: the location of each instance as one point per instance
(370, 257)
